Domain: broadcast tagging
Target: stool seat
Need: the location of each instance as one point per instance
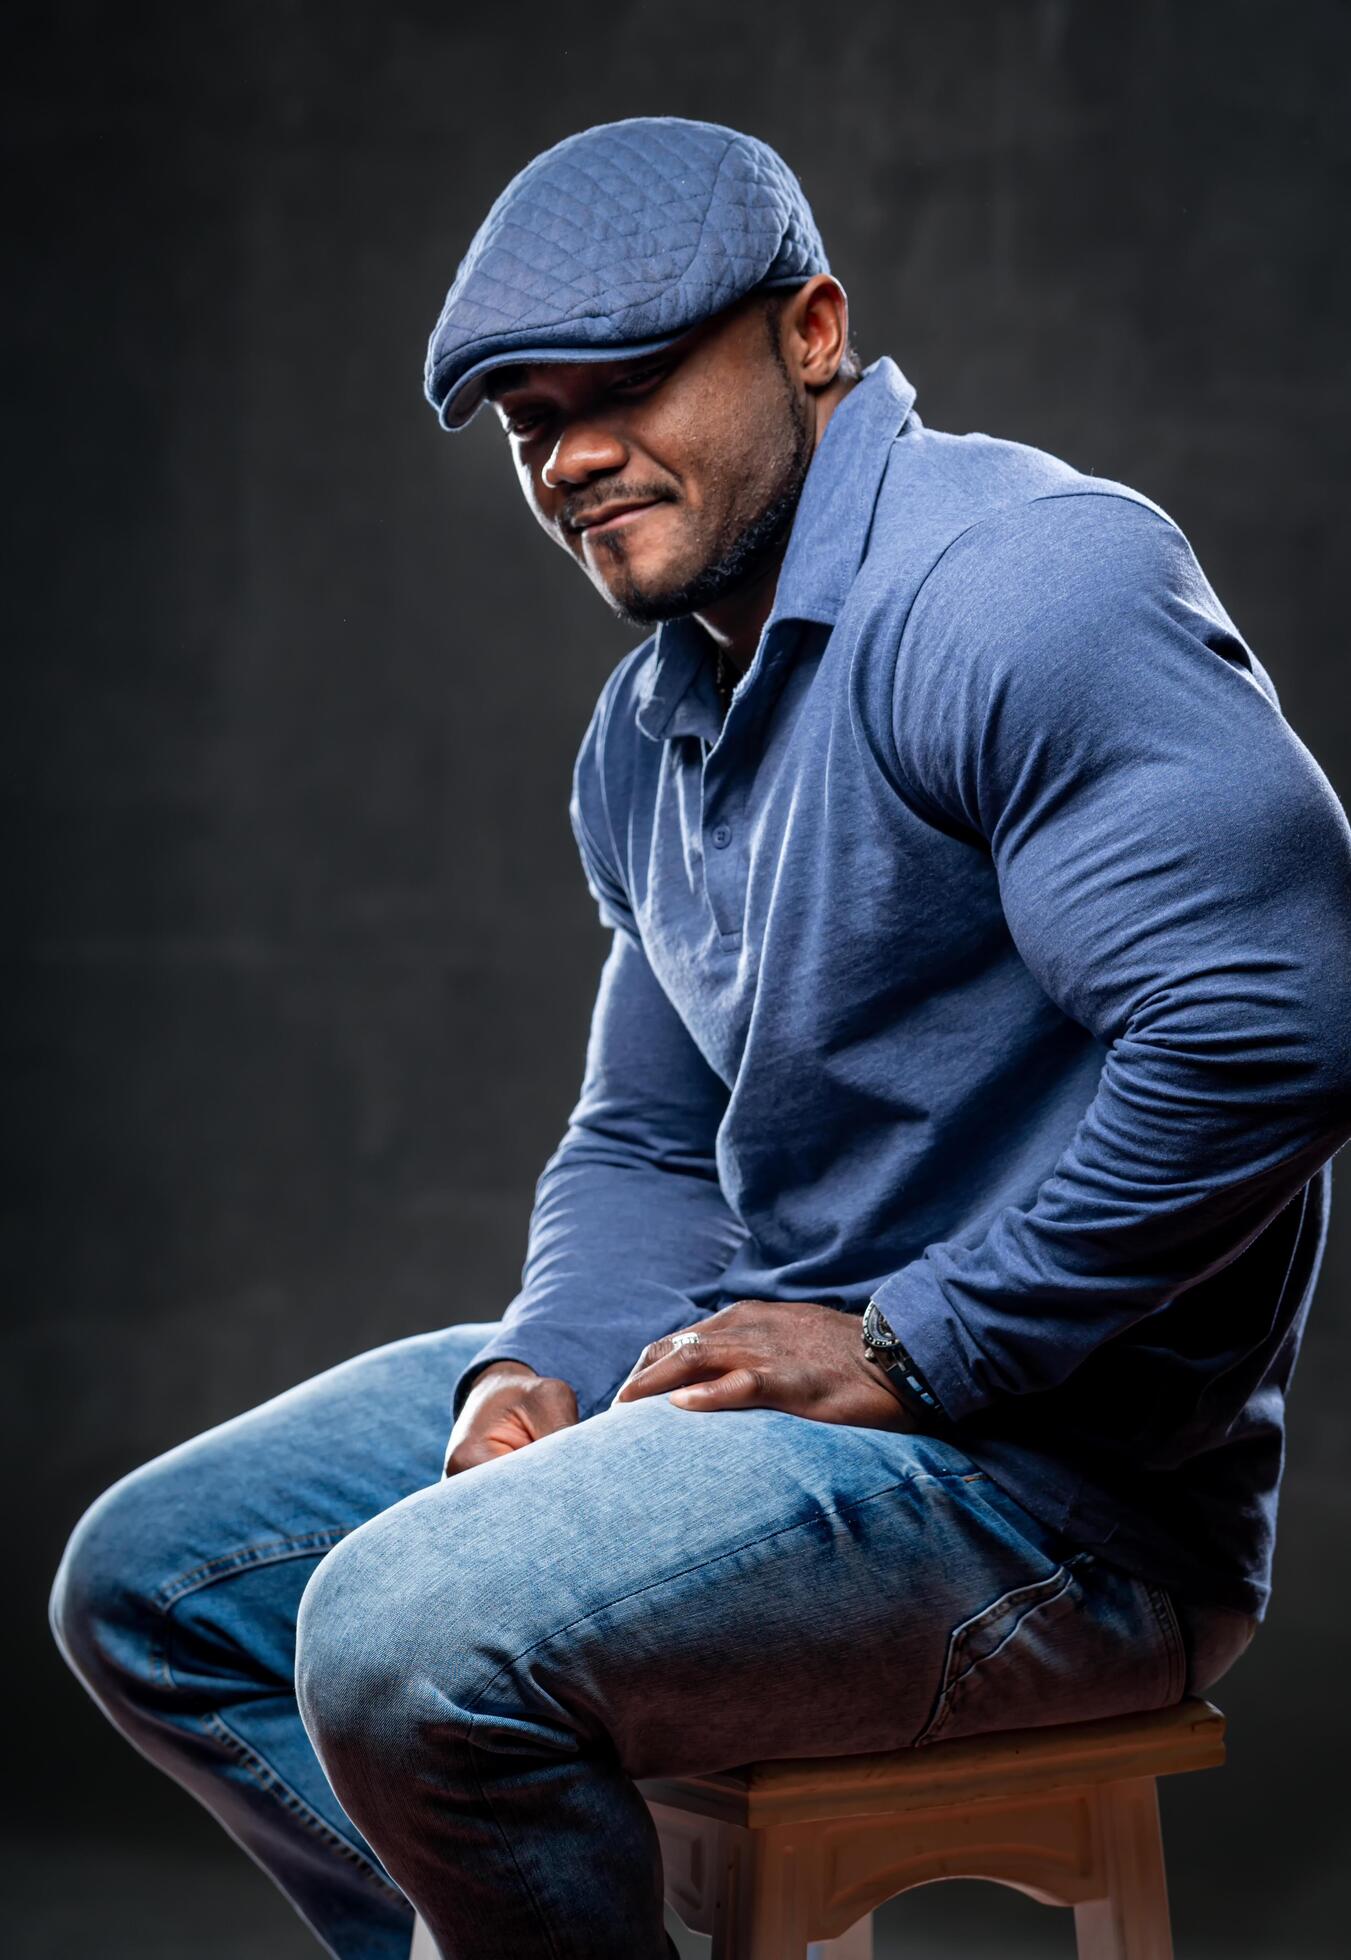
(787, 1860)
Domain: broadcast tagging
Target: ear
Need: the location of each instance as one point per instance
(815, 330)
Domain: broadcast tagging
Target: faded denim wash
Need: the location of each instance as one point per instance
(487, 1662)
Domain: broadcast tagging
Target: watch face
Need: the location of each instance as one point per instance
(875, 1330)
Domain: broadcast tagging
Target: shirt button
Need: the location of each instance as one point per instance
(722, 836)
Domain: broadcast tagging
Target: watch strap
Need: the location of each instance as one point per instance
(897, 1361)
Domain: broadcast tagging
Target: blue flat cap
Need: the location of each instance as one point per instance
(616, 242)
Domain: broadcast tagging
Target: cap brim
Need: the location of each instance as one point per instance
(468, 395)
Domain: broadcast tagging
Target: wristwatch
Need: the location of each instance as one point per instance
(881, 1345)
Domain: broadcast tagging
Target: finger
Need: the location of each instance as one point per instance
(740, 1388)
(732, 1316)
(659, 1349)
(496, 1429)
(647, 1355)
(538, 1430)
(482, 1450)
(662, 1365)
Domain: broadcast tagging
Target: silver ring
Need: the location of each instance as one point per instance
(683, 1340)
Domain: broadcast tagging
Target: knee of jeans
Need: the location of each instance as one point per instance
(379, 1661)
(102, 1610)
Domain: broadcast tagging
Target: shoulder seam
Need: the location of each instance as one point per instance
(1134, 499)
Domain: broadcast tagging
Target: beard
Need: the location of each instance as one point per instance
(746, 547)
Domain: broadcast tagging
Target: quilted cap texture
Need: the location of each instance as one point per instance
(613, 243)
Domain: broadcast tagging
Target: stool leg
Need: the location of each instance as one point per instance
(760, 1898)
(1131, 1921)
(765, 1898)
(856, 1944)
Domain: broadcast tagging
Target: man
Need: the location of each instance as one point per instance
(909, 1307)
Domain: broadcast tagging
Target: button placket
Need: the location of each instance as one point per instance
(723, 803)
(724, 859)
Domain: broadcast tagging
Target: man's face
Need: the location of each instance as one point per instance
(672, 478)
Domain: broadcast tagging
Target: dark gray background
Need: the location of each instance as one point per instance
(299, 957)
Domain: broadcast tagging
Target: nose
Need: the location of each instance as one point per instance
(581, 453)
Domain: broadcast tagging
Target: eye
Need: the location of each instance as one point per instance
(641, 378)
(525, 422)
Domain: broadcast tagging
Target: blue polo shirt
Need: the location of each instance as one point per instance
(991, 959)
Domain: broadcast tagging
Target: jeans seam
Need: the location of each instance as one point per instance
(159, 1658)
(1166, 1615)
(487, 1802)
(272, 1551)
(779, 1531)
(1046, 1592)
(1043, 1592)
(280, 1791)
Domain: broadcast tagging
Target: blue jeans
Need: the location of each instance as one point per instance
(295, 1604)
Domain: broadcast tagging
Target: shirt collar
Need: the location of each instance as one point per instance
(825, 549)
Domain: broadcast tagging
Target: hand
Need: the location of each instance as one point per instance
(507, 1406)
(798, 1356)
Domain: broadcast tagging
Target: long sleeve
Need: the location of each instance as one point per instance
(1175, 872)
(630, 1231)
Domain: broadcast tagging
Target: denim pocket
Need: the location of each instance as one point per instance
(1087, 1640)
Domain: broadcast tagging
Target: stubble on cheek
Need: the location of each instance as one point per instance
(726, 459)
(753, 447)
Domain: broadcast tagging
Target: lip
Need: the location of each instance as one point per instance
(620, 514)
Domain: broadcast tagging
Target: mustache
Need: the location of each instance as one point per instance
(614, 494)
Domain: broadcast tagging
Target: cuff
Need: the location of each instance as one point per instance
(556, 1351)
(920, 1316)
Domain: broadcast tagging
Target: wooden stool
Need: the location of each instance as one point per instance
(787, 1860)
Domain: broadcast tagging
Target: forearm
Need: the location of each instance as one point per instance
(630, 1231)
(1175, 872)
(1173, 1172)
